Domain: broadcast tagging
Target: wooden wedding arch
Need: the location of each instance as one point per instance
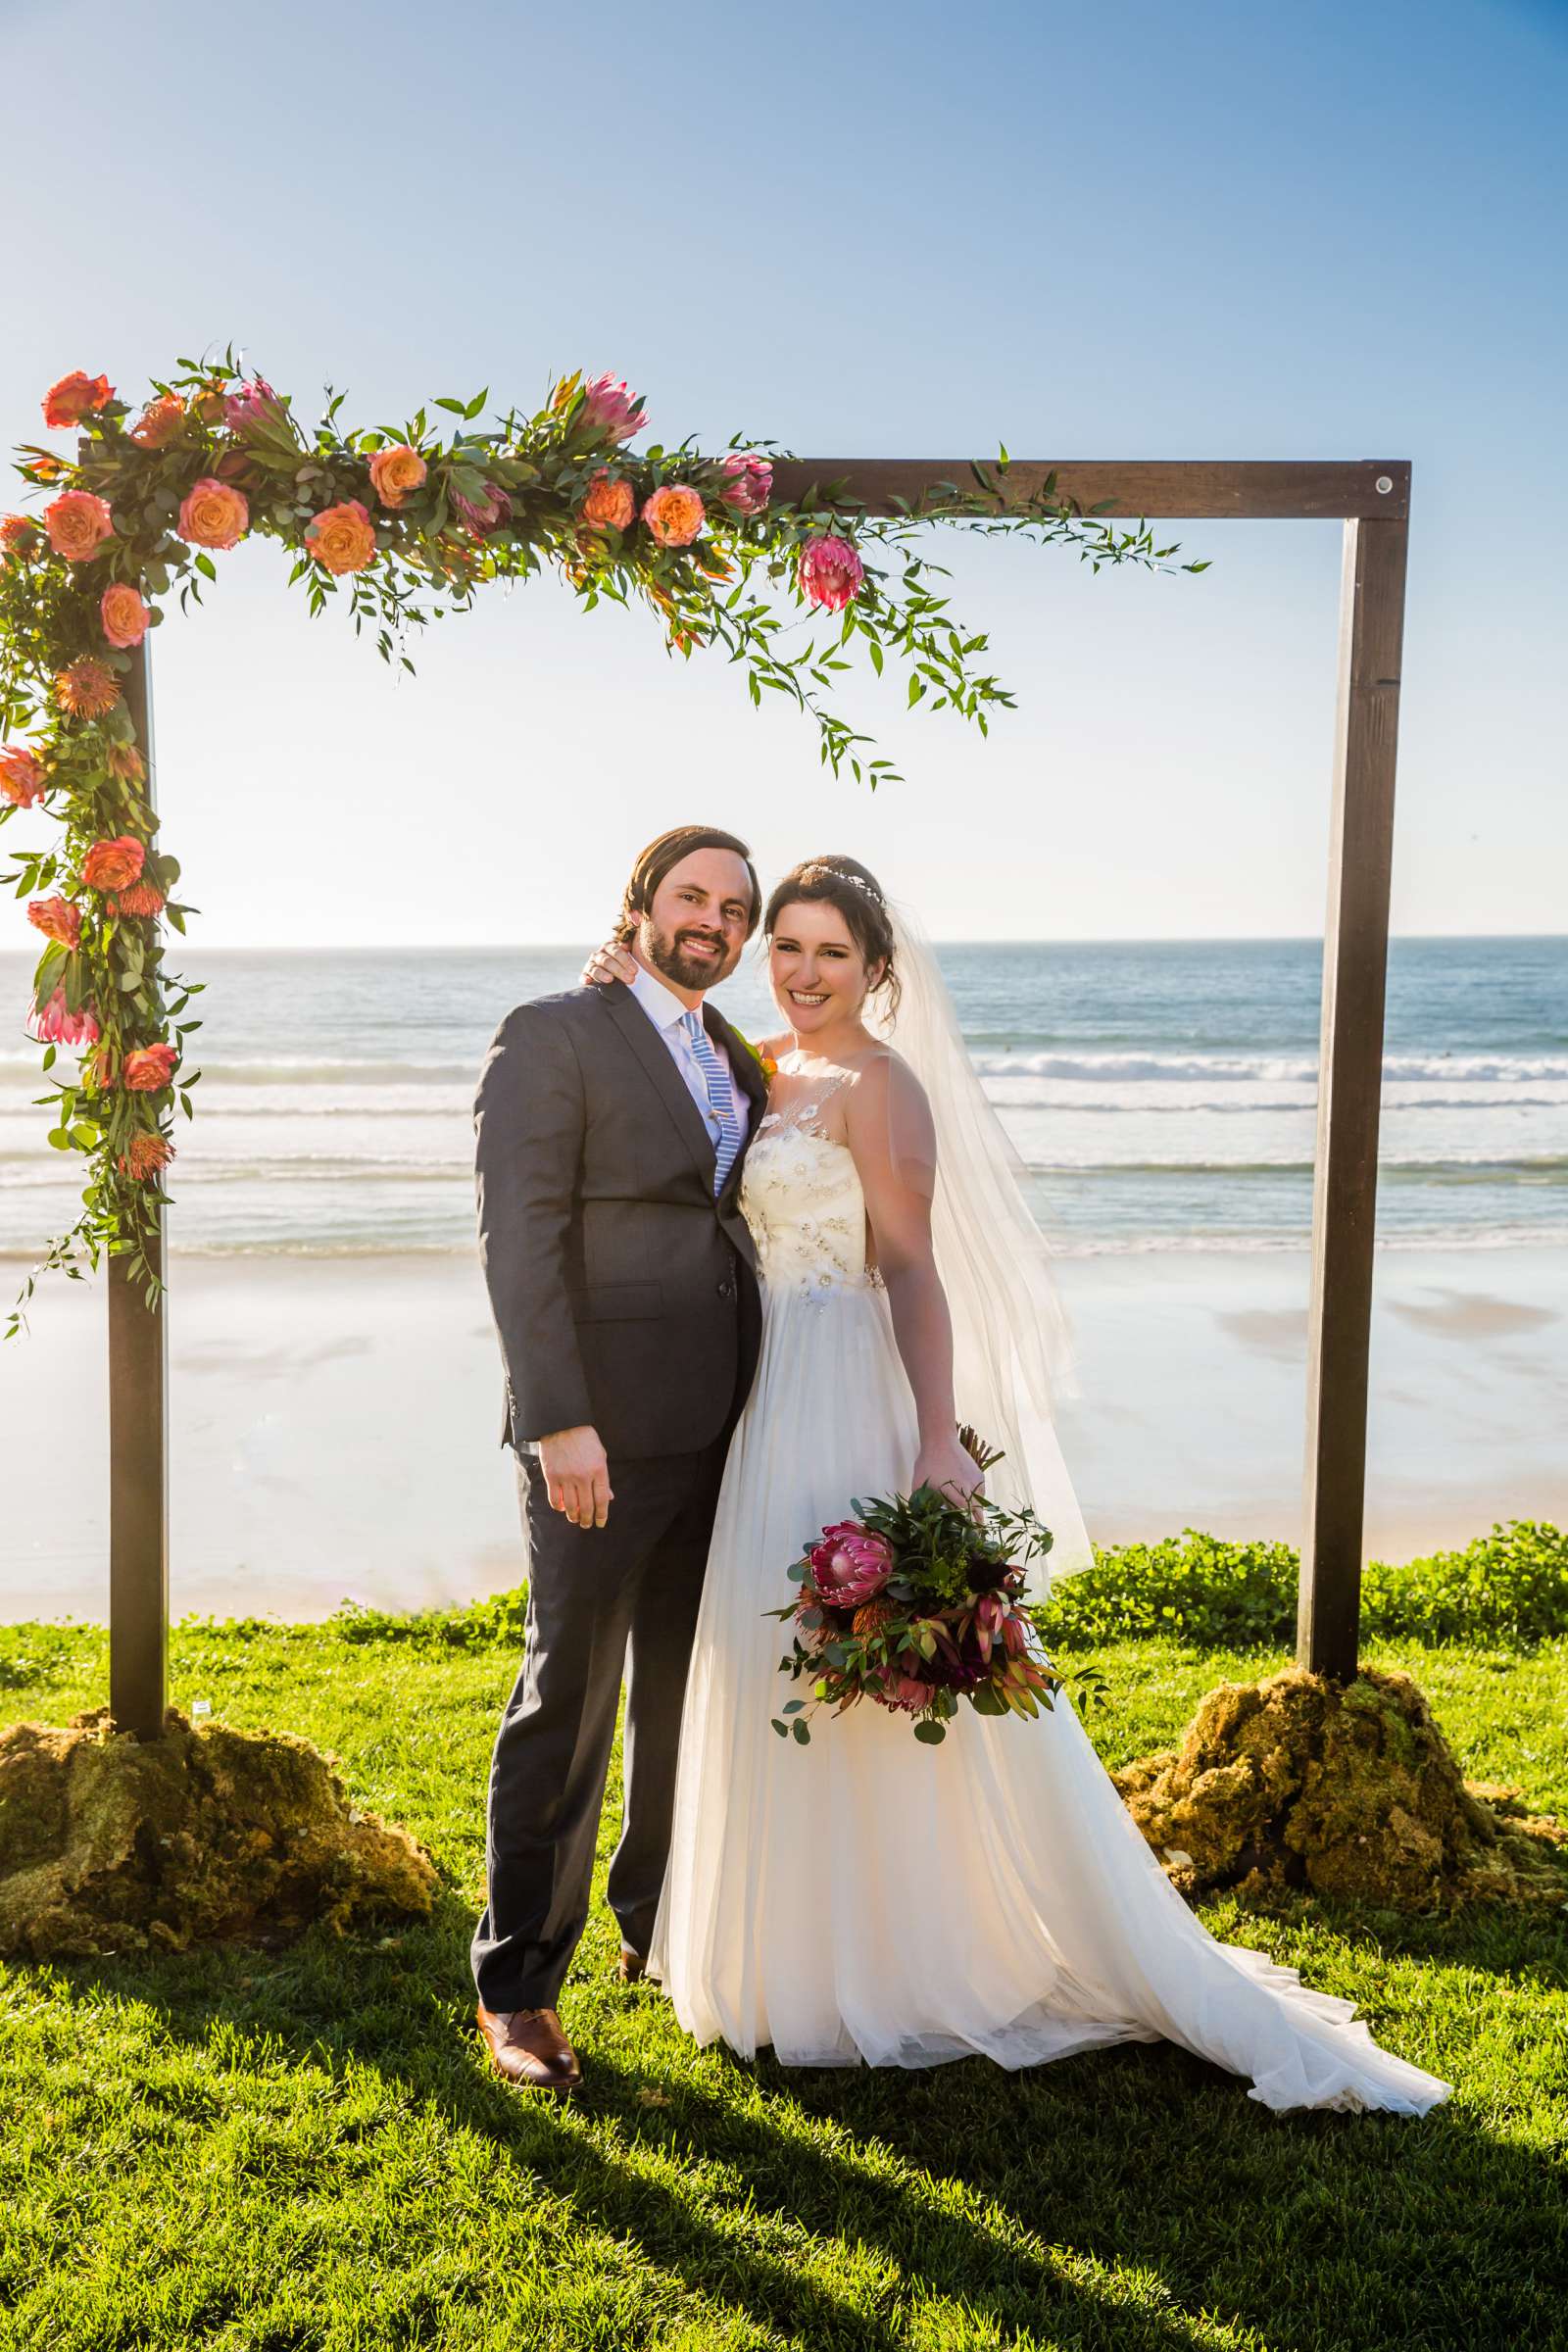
(1372, 498)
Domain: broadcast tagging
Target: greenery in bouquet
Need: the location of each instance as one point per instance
(916, 1602)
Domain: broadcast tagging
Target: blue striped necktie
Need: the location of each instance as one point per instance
(721, 1097)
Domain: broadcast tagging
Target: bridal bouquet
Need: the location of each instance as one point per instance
(915, 1603)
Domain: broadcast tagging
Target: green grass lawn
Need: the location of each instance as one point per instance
(302, 2148)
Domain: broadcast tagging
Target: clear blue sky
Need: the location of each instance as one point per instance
(1129, 231)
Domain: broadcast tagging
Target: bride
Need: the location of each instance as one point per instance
(865, 1897)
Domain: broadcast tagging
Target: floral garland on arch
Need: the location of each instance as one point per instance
(411, 526)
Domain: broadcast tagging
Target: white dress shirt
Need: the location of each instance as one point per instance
(665, 1010)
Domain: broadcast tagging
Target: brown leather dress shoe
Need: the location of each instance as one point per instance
(631, 1966)
(529, 2046)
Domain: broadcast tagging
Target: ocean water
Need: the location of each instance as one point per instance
(1162, 1095)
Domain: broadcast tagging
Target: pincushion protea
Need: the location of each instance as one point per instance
(86, 689)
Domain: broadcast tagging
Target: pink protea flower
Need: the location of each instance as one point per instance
(148, 1068)
(830, 571)
(1015, 1634)
(22, 775)
(56, 918)
(989, 1619)
(142, 898)
(673, 515)
(849, 1564)
(750, 481)
(906, 1693)
(77, 523)
(255, 402)
(73, 396)
(54, 1025)
(481, 514)
(614, 408)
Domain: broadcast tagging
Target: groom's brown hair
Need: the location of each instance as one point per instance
(662, 857)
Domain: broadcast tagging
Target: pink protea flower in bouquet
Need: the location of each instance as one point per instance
(481, 514)
(54, 1025)
(255, 402)
(22, 776)
(830, 571)
(849, 1564)
(614, 408)
(989, 1619)
(906, 1693)
(750, 481)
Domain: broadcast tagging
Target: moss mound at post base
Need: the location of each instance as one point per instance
(1295, 1781)
(108, 1843)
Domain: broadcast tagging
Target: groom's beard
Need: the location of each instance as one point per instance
(666, 953)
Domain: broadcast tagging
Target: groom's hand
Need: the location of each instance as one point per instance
(577, 1476)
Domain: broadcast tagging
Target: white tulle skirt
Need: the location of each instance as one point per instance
(867, 1898)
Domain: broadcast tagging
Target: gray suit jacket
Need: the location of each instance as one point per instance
(624, 1295)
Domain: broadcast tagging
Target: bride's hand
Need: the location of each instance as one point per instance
(610, 962)
(946, 1466)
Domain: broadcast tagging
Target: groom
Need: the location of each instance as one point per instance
(611, 1126)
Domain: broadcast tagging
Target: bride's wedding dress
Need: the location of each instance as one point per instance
(870, 1898)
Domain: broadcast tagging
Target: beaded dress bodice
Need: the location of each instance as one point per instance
(802, 1197)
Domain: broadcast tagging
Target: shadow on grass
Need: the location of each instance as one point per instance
(1073, 2200)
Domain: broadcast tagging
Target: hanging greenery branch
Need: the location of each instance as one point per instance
(408, 526)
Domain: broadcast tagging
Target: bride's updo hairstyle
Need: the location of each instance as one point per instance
(844, 883)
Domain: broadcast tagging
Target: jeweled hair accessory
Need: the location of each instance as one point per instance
(834, 873)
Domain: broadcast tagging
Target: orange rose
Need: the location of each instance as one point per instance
(78, 524)
(87, 689)
(123, 614)
(394, 472)
(75, 396)
(673, 515)
(56, 918)
(342, 538)
(147, 1068)
(213, 514)
(114, 865)
(159, 421)
(611, 506)
(144, 1155)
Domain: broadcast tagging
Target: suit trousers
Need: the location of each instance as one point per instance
(601, 1600)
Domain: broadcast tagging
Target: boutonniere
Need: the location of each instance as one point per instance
(764, 1061)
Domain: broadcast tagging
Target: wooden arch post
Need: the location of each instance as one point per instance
(1372, 498)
